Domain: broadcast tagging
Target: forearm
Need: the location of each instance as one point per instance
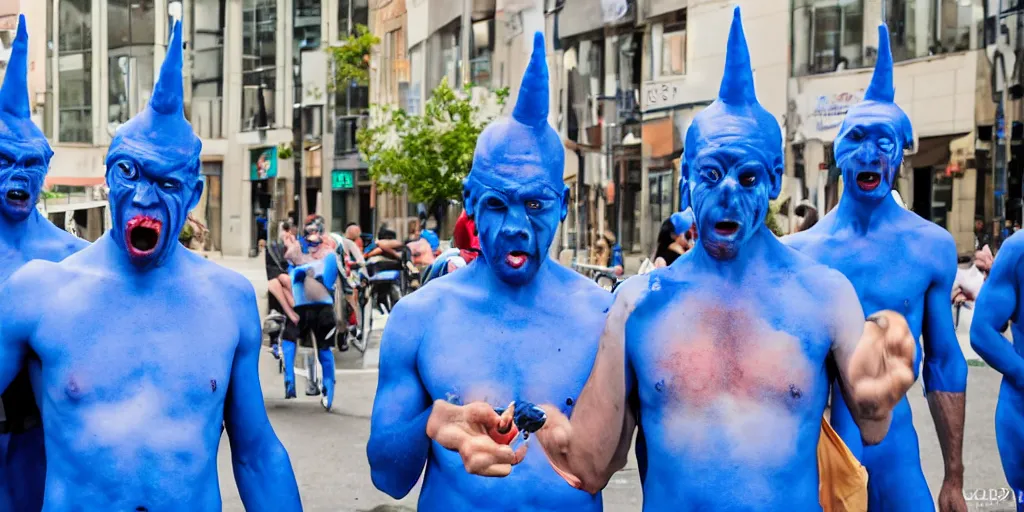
(397, 454)
(998, 353)
(948, 412)
(264, 477)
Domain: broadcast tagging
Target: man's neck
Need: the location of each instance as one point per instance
(17, 233)
(753, 253)
(524, 294)
(861, 215)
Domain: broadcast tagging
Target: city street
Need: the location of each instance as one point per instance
(328, 450)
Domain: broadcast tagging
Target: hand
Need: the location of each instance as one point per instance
(881, 368)
(468, 430)
(294, 317)
(951, 497)
(554, 439)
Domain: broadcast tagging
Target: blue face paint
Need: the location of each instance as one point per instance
(732, 162)
(24, 151)
(153, 170)
(872, 137)
(524, 327)
(515, 191)
(868, 236)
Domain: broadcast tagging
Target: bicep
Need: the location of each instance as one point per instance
(400, 392)
(997, 302)
(245, 415)
(847, 326)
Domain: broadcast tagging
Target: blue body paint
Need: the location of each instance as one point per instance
(1000, 300)
(25, 235)
(896, 261)
(134, 397)
(513, 325)
(726, 348)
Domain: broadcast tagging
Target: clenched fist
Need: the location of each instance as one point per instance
(881, 369)
(478, 433)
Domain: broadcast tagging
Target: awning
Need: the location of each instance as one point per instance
(933, 151)
(66, 181)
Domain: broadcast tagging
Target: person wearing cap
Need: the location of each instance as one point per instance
(720, 358)
(895, 260)
(25, 235)
(146, 354)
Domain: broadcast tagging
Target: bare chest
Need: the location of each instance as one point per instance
(499, 360)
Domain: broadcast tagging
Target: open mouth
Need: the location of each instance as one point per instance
(869, 181)
(17, 196)
(727, 227)
(516, 259)
(143, 233)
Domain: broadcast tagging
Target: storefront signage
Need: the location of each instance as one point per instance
(342, 179)
(828, 110)
(263, 163)
(656, 95)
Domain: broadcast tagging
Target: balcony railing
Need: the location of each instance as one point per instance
(206, 118)
(345, 134)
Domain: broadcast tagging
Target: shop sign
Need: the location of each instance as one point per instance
(342, 179)
(827, 111)
(263, 163)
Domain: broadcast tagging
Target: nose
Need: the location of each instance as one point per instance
(145, 196)
(870, 155)
(727, 189)
(516, 224)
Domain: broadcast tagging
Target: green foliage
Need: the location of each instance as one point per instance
(51, 195)
(352, 58)
(428, 155)
(772, 221)
(186, 234)
(284, 151)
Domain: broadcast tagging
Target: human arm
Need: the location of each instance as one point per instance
(398, 445)
(945, 374)
(262, 469)
(874, 358)
(16, 324)
(590, 447)
(997, 304)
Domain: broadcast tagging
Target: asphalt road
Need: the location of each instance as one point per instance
(328, 450)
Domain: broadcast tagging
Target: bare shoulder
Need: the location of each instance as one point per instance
(1013, 246)
(580, 289)
(937, 248)
(33, 287)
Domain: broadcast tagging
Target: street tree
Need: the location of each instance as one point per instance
(428, 155)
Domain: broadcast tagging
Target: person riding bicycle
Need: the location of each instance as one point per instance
(313, 272)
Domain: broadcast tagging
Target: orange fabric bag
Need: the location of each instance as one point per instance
(842, 480)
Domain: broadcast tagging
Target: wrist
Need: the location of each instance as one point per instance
(954, 475)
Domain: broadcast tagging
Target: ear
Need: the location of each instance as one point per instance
(197, 192)
(565, 203)
(684, 187)
(467, 199)
(775, 178)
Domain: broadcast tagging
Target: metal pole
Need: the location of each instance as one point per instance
(467, 31)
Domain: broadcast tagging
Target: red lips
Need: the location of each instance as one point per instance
(516, 259)
(142, 233)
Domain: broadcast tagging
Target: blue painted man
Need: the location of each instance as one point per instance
(146, 352)
(313, 271)
(514, 326)
(25, 235)
(1001, 300)
(724, 351)
(872, 239)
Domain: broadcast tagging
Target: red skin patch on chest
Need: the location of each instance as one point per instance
(730, 352)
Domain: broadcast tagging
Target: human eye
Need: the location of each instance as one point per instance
(712, 174)
(495, 203)
(748, 178)
(885, 144)
(127, 170)
(533, 204)
(170, 185)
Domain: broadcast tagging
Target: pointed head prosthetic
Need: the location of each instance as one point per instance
(732, 159)
(871, 140)
(515, 192)
(153, 169)
(24, 152)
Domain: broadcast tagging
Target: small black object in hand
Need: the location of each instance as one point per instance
(528, 417)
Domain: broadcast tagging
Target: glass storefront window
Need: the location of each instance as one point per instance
(74, 65)
(673, 45)
(259, 62)
(480, 52)
(207, 67)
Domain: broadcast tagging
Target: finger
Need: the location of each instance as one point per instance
(481, 416)
(506, 421)
(520, 454)
(450, 437)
